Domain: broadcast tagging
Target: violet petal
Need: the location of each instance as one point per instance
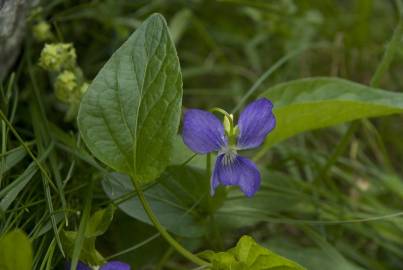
(254, 123)
(80, 266)
(115, 265)
(203, 132)
(240, 171)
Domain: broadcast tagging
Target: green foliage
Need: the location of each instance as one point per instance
(99, 222)
(97, 225)
(11, 158)
(9, 193)
(349, 196)
(314, 103)
(130, 113)
(179, 198)
(312, 258)
(15, 251)
(248, 255)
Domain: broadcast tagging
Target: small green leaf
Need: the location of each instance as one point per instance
(99, 222)
(314, 103)
(248, 255)
(15, 251)
(97, 225)
(130, 114)
(88, 253)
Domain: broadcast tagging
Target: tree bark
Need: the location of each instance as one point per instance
(12, 28)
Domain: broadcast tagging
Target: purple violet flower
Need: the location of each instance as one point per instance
(112, 265)
(204, 133)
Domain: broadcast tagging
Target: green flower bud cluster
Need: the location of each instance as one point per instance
(58, 56)
(42, 31)
(66, 87)
(60, 60)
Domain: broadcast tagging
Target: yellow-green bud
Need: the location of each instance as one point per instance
(227, 124)
(230, 130)
(36, 13)
(58, 56)
(42, 31)
(66, 87)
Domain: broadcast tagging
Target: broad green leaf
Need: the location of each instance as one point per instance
(130, 114)
(248, 255)
(179, 199)
(314, 103)
(15, 251)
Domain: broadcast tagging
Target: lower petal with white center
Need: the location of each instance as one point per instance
(239, 171)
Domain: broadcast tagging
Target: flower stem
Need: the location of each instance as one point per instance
(208, 166)
(179, 248)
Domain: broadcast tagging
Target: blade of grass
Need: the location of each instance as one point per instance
(81, 229)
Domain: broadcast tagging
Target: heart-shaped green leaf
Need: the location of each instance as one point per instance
(130, 114)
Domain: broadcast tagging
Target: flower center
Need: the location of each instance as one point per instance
(230, 154)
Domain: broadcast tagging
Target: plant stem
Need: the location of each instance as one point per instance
(208, 166)
(153, 218)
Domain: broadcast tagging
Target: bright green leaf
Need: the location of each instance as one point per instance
(99, 222)
(248, 255)
(97, 225)
(88, 253)
(15, 251)
(130, 114)
(314, 103)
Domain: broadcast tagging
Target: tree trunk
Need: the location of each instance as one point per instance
(12, 27)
